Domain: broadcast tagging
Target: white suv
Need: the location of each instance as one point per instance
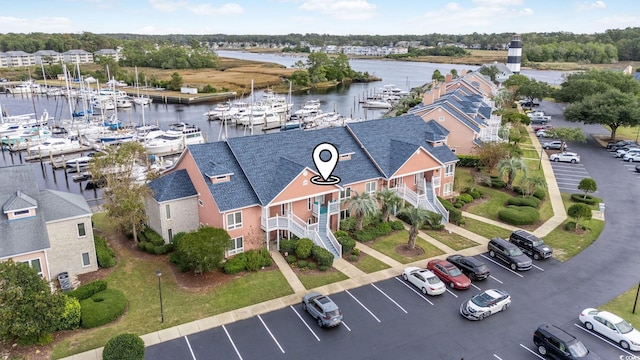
(631, 156)
(625, 150)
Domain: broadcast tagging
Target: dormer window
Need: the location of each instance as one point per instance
(220, 178)
(20, 206)
(346, 156)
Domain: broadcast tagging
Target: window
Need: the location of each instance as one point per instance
(35, 264)
(448, 188)
(200, 202)
(449, 170)
(85, 260)
(344, 214)
(417, 178)
(236, 245)
(167, 210)
(81, 231)
(370, 187)
(441, 118)
(234, 220)
(20, 212)
(345, 193)
(310, 221)
(170, 233)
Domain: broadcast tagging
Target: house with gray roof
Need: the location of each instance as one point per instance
(261, 188)
(49, 230)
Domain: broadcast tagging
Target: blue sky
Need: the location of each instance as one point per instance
(338, 17)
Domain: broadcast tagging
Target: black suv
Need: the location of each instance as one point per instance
(470, 266)
(509, 253)
(531, 244)
(551, 341)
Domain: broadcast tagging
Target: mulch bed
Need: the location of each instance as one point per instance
(409, 253)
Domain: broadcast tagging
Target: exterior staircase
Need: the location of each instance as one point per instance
(425, 198)
(326, 236)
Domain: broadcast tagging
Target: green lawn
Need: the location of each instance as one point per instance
(566, 199)
(315, 279)
(493, 201)
(530, 153)
(369, 264)
(452, 240)
(486, 230)
(137, 279)
(387, 245)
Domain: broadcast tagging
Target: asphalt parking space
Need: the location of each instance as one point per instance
(598, 343)
(568, 176)
(172, 349)
(252, 339)
(204, 342)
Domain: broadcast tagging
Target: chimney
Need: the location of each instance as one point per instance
(448, 78)
(463, 72)
(428, 97)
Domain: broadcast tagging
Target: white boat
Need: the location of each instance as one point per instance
(145, 133)
(142, 100)
(80, 163)
(103, 102)
(54, 145)
(377, 104)
(311, 107)
(174, 140)
(27, 138)
(26, 87)
(221, 111)
(124, 102)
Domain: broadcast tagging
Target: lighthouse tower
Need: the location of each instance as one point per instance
(515, 54)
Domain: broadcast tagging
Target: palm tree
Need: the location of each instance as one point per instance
(388, 201)
(361, 205)
(509, 168)
(532, 182)
(415, 217)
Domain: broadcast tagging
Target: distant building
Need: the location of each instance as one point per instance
(77, 56)
(48, 57)
(112, 53)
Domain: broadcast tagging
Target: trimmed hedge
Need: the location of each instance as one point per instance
(348, 224)
(322, 256)
(347, 243)
(589, 200)
(149, 235)
(106, 256)
(303, 248)
(88, 290)
(251, 260)
(519, 215)
(302, 264)
(539, 193)
(291, 259)
(70, 319)
(455, 215)
(124, 347)
(465, 198)
(288, 246)
(524, 201)
(498, 183)
(234, 265)
(396, 225)
(469, 161)
(102, 308)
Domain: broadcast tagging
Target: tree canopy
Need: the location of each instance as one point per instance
(580, 85)
(202, 250)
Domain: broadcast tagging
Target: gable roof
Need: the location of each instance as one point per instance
(388, 140)
(19, 201)
(58, 205)
(26, 235)
(175, 185)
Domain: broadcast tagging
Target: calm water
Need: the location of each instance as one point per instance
(343, 99)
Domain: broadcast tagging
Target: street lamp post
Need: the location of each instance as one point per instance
(159, 274)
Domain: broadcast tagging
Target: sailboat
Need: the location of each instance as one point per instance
(140, 99)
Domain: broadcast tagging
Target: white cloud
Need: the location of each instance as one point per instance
(592, 5)
(526, 11)
(341, 9)
(497, 2)
(42, 24)
(208, 9)
(168, 5)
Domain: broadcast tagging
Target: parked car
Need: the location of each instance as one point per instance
(528, 103)
(631, 156)
(485, 304)
(552, 341)
(449, 274)
(611, 326)
(537, 128)
(509, 253)
(554, 145)
(638, 168)
(470, 266)
(425, 280)
(620, 143)
(565, 157)
(531, 244)
(542, 134)
(323, 309)
(621, 152)
(539, 119)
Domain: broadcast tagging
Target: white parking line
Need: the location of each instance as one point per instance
(451, 292)
(361, 304)
(491, 276)
(269, 331)
(531, 351)
(190, 349)
(502, 266)
(232, 343)
(388, 297)
(538, 267)
(497, 357)
(602, 338)
(304, 322)
(345, 325)
(414, 290)
(477, 288)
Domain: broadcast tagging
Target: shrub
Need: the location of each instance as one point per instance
(323, 268)
(468, 161)
(383, 228)
(539, 193)
(348, 224)
(340, 233)
(496, 182)
(162, 249)
(355, 251)
(589, 200)
(291, 259)
(312, 266)
(88, 290)
(571, 226)
(519, 215)
(458, 204)
(364, 235)
(303, 248)
(124, 347)
(148, 247)
(347, 243)
(102, 308)
(265, 257)
(396, 225)
(353, 258)
(524, 201)
(178, 259)
(322, 256)
(288, 246)
(151, 236)
(466, 198)
(475, 193)
(254, 261)
(302, 264)
(70, 319)
(106, 256)
(436, 227)
(455, 215)
(235, 265)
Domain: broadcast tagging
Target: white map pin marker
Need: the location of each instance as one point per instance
(325, 168)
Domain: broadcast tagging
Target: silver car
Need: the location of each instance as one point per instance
(323, 309)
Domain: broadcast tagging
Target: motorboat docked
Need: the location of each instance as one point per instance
(174, 140)
(26, 87)
(142, 100)
(377, 104)
(80, 163)
(54, 145)
(27, 138)
(311, 107)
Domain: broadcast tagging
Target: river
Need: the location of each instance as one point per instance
(343, 99)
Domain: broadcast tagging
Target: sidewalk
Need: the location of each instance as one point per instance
(356, 276)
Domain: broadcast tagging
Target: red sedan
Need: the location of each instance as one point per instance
(449, 274)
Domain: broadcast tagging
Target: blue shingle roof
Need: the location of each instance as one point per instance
(436, 132)
(175, 185)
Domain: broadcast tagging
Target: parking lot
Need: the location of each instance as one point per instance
(568, 176)
(384, 320)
